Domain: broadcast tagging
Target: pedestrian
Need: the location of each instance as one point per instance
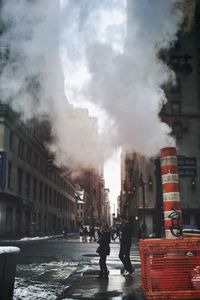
(85, 234)
(92, 234)
(103, 250)
(112, 232)
(65, 231)
(117, 233)
(98, 232)
(125, 245)
(81, 233)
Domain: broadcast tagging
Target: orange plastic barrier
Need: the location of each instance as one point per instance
(170, 268)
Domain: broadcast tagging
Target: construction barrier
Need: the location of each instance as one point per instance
(170, 268)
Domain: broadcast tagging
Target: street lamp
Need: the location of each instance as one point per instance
(141, 183)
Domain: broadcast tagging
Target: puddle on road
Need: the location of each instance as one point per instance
(41, 281)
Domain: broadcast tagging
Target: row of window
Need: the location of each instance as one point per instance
(32, 188)
(37, 162)
(47, 224)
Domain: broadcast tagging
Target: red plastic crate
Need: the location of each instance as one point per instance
(170, 267)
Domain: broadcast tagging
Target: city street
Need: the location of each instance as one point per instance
(99, 138)
(67, 269)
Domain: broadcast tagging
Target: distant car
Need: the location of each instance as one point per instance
(152, 235)
(191, 231)
(190, 226)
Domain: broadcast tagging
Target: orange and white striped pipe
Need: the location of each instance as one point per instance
(171, 193)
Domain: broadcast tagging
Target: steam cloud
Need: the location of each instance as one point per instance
(119, 74)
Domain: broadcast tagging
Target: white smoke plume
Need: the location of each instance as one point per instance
(121, 76)
(126, 75)
(32, 81)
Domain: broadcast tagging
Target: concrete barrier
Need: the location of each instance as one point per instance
(8, 262)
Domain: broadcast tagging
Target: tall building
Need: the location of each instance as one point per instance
(182, 113)
(141, 188)
(35, 196)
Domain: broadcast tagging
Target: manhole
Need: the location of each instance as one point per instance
(109, 295)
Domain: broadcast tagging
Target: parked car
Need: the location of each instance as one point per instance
(191, 231)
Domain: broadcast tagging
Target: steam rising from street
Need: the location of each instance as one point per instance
(105, 67)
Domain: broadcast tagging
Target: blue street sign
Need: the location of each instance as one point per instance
(187, 166)
(187, 172)
(186, 161)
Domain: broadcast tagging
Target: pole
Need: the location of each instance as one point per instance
(171, 194)
(143, 201)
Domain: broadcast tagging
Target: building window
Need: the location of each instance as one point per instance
(177, 130)
(176, 86)
(9, 224)
(45, 193)
(61, 202)
(58, 201)
(50, 196)
(175, 107)
(11, 140)
(40, 222)
(35, 160)
(18, 221)
(42, 165)
(19, 181)
(29, 155)
(9, 175)
(34, 188)
(21, 149)
(41, 192)
(28, 184)
(54, 199)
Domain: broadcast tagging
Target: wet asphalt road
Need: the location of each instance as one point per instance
(44, 266)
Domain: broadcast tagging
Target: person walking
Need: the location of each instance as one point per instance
(92, 233)
(81, 233)
(125, 245)
(85, 234)
(65, 231)
(103, 250)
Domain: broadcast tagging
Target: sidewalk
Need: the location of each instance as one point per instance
(87, 285)
(37, 238)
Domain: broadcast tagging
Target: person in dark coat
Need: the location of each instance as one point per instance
(125, 245)
(85, 234)
(104, 250)
(65, 232)
(92, 233)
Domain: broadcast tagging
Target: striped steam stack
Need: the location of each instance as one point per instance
(171, 193)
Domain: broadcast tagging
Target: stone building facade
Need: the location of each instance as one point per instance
(35, 196)
(182, 113)
(141, 188)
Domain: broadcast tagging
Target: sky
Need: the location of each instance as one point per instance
(82, 54)
(112, 174)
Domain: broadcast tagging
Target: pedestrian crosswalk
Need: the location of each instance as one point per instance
(113, 258)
